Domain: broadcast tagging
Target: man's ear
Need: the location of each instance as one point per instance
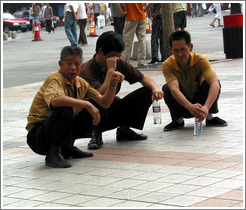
(60, 63)
(191, 46)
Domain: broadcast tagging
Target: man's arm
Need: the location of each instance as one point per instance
(150, 83)
(123, 13)
(72, 102)
(74, 12)
(212, 94)
(112, 75)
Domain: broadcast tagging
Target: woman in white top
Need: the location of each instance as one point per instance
(82, 16)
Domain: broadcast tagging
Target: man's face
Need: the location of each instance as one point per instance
(181, 51)
(71, 66)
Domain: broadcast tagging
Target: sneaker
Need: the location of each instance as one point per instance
(216, 121)
(154, 60)
(212, 25)
(173, 126)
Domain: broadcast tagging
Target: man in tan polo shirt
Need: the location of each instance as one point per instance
(192, 87)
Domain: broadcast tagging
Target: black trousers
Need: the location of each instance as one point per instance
(60, 129)
(130, 111)
(177, 111)
(119, 24)
(156, 37)
(48, 24)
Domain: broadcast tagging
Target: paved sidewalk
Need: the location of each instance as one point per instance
(168, 170)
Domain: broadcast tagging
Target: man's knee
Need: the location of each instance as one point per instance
(64, 113)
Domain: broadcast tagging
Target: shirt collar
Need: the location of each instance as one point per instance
(192, 61)
(67, 82)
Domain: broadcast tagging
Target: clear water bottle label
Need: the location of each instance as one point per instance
(197, 127)
(156, 109)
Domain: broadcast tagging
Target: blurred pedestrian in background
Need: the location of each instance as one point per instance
(135, 24)
(118, 18)
(218, 15)
(156, 35)
(48, 14)
(71, 22)
(89, 11)
(179, 15)
(36, 14)
(82, 17)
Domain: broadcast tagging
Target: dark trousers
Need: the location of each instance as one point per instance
(177, 111)
(95, 18)
(130, 111)
(48, 24)
(82, 35)
(119, 24)
(156, 37)
(60, 129)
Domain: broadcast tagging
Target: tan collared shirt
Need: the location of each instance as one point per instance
(57, 85)
(189, 80)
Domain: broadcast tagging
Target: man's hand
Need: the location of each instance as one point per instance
(111, 63)
(116, 78)
(94, 113)
(157, 94)
(198, 111)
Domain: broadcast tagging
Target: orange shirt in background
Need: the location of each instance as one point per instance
(135, 11)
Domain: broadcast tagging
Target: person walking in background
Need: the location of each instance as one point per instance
(104, 11)
(218, 15)
(30, 15)
(118, 18)
(179, 15)
(48, 14)
(71, 22)
(156, 36)
(97, 10)
(200, 10)
(194, 10)
(192, 87)
(135, 24)
(89, 11)
(82, 17)
(36, 14)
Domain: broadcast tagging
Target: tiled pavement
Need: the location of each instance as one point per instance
(168, 170)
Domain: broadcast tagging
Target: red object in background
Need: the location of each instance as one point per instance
(36, 32)
(233, 20)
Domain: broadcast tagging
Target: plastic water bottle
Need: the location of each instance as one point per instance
(197, 127)
(156, 112)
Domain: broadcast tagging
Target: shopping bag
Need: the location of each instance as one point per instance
(100, 21)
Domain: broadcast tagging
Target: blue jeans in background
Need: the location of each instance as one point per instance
(71, 28)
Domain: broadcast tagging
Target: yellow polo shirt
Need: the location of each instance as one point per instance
(57, 85)
(190, 80)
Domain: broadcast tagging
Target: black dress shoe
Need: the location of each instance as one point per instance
(56, 161)
(173, 126)
(216, 121)
(75, 152)
(128, 135)
(154, 60)
(96, 141)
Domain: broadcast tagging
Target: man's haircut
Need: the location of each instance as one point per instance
(70, 50)
(179, 35)
(110, 41)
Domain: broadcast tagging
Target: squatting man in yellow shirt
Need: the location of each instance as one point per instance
(192, 87)
(60, 112)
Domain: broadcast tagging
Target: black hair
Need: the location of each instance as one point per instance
(179, 35)
(70, 50)
(110, 41)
